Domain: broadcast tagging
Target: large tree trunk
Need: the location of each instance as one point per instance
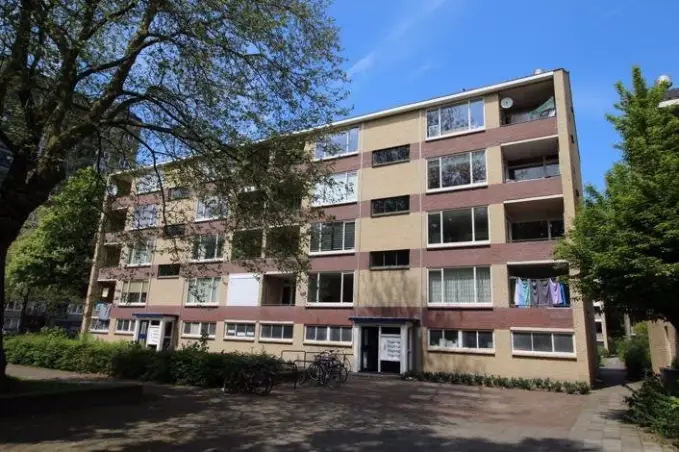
(4, 382)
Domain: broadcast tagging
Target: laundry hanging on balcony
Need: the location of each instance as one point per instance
(544, 292)
(102, 311)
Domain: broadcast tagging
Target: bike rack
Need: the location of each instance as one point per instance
(305, 362)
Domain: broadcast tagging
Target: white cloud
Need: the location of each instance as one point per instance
(362, 65)
(421, 70)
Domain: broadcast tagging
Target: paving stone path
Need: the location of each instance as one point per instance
(366, 414)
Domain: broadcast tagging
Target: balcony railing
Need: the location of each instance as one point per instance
(532, 231)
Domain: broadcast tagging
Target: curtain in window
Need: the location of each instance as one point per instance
(459, 285)
(349, 235)
(435, 289)
(483, 285)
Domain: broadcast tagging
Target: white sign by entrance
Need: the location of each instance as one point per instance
(390, 347)
(153, 337)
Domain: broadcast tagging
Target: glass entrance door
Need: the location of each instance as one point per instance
(390, 349)
(143, 332)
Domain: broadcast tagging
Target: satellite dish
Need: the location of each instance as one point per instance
(506, 102)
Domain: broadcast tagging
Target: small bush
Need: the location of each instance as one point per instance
(544, 384)
(635, 352)
(653, 407)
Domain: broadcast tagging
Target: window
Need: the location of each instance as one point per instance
(178, 193)
(460, 286)
(75, 309)
(139, 253)
(390, 206)
(458, 339)
(239, 330)
(459, 170)
(339, 334)
(210, 208)
(331, 288)
(246, 244)
(199, 329)
(11, 324)
(243, 289)
(386, 259)
(100, 325)
(466, 116)
(338, 236)
(535, 168)
(13, 306)
(276, 331)
(391, 155)
(340, 188)
(339, 144)
(536, 230)
(175, 230)
(134, 292)
(203, 291)
(125, 326)
(145, 217)
(168, 270)
(535, 342)
(458, 226)
(148, 183)
(207, 247)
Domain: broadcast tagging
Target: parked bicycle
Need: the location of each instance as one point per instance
(327, 369)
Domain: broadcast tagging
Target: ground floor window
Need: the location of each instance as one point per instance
(198, 329)
(328, 334)
(10, 324)
(239, 330)
(461, 339)
(542, 342)
(125, 326)
(100, 325)
(276, 331)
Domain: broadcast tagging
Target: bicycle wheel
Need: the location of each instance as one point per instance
(333, 377)
(262, 383)
(230, 386)
(344, 373)
(316, 373)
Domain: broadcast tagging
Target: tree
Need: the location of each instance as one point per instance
(625, 239)
(53, 259)
(207, 83)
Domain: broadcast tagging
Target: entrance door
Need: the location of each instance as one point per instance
(390, 349)
(167, 336)
(143, 332)
(370, 336)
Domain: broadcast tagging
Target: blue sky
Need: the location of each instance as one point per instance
(401, 51)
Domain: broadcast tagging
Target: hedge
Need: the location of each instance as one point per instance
(653, 407)
(492, 381)
(192, 365)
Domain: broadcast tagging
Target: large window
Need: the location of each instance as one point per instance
(387, 156)
(199, 329)
(238, 330)
(458, 226)
(466, 116)
(458, 170)
(207, 247)
(339, 144)
(203, 291)
(389, 259)
(535, 168)
(145, 217)
(539, 342)
(458, 339)
(331, 288)
(148, 183)
(139, 253)
(469, 285)
(134, 292)
(536, 230)
(337, 236)
(276, 331)
(169, 270)
(125, 326)
(390, 206)
(342, 188)
(210, 208)
(337, 334)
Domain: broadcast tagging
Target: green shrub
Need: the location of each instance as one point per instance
(653, 407)
(635, 352)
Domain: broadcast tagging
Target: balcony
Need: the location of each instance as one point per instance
(534, 220)
(527, 103)
(114, 225)
(531, 160)
(538, 285)
(279, 290)
(111, 255)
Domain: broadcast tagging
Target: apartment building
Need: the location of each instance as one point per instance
(439, 256)
(40, 314)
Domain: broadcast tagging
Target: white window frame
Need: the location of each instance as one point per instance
(148, 183)
(135, 221)
(552, 331)
(215, 281)
(443, 244)
(125, 289)
(339, 343)
(13, 323)
(334, 304)
(216, 258)
(207, 204)
(99, 330)
(461, 349)
(131, 326)
(476, 304)
(273, 339)
(75, 308)
(347, 152)
(472, 184)
(319, 199)
(13, 306)
(344, 250)
(200, 327)
(245, 338)
(132, 251)
(456, 132)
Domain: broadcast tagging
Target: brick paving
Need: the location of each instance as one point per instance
(366, 414)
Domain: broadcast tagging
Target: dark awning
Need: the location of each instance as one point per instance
(361, 320)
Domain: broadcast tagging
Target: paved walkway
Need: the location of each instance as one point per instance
(366, 414)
